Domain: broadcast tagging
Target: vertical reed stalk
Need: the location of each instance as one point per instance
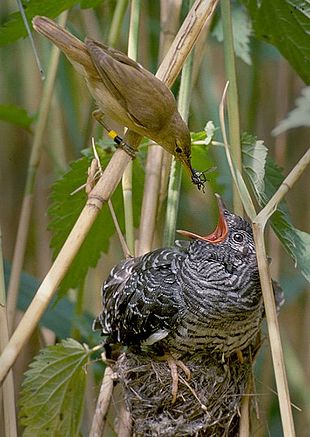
(116, 25)
(232, 97)
(176, 168)
(127, 176)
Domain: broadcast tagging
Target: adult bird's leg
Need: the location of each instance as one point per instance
(99, 115)
(173, 365)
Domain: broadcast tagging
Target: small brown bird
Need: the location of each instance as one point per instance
(126, 92)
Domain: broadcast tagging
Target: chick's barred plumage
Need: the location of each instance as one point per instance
(203, 296)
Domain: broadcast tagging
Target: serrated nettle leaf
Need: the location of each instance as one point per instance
(66, 208)
(300, 116)
(295, 242)
(242, 30)
(53, 391)
(286, 25)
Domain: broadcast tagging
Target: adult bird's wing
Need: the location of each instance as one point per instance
(145, 98)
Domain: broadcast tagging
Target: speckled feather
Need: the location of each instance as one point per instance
(187, 299)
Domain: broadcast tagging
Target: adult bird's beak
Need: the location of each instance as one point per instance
(194, 174)
(187, 164)
(221, 230)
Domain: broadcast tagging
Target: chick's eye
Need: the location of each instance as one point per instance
(238, 237)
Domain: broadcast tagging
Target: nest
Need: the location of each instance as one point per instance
(207, 405)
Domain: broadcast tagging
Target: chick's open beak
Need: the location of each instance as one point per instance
(220, 232)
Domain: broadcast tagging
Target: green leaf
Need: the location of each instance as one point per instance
(300, 116)
(294, 241)
(256, 153)
(15, 115)
(53, 391)
(14, 27)
(241, 30)
(206, 136)
(302, 245)
(66, 208)
(286, 25)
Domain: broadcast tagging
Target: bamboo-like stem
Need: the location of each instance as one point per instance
(127, 176)
(134, 29)
(103, 403)
(169, 23)
(176, 168)
(162, 198)
(244, 425)
(100, 194)
(273, 331)
(232, 97)
(23, 225)
(259, 221)
(271, 315)
(124, 424)
(128, 207)
(200, 12)
(116, 25)
(7, 396)
(150, 199)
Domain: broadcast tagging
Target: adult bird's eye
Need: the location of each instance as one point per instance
(178, 149)
(238, 237)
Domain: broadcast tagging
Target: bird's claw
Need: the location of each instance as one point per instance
(127, 148)
(173, 365)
